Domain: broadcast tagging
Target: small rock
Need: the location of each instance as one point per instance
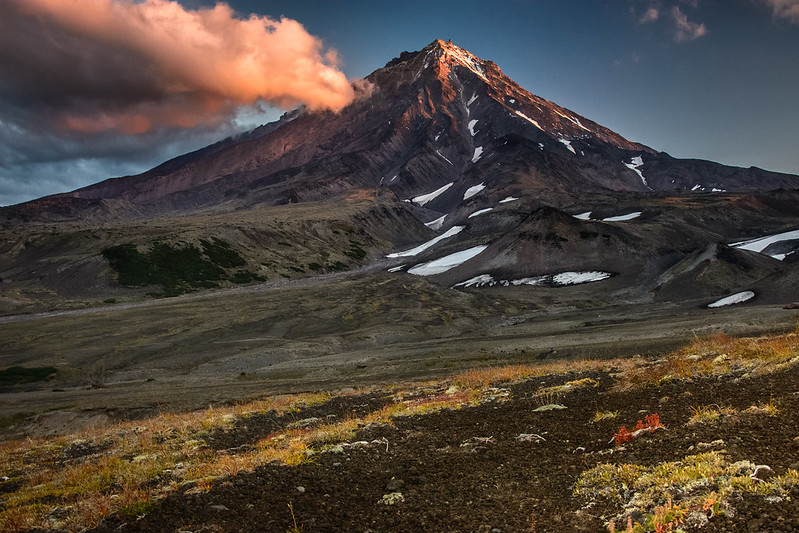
(305, 423)
(714, 444)
(550, 407)
(217, 508)
(394, 484)
(529, 437)
(301, 489)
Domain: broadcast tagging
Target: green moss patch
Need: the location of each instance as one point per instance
(177, 268)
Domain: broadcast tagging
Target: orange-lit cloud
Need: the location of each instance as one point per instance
(785, 9)
(135, 66)
(685, 30)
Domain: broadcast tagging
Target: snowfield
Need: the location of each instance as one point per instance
(583, 216)
(563, 279)
(423, 199)
(528, 119)
(568, 145)
(477, 153)
(733, 299)
(454, 230)
(444, 158)
(508, 199)
(471, 191)
(761, 243)
(436, 224)
(480, 212)
(634, 165)
(621, 218)
(447, 262)
(576, 278)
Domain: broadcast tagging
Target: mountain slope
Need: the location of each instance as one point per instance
(511, 187)
(426, 119)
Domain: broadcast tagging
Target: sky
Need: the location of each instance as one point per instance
(93, 89)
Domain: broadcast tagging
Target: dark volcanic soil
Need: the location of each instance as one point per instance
(467, 470)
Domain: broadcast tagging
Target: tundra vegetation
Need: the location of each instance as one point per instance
(125, 470)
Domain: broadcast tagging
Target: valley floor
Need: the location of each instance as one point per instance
(503, 449)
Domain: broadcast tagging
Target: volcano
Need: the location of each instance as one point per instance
(460, 175)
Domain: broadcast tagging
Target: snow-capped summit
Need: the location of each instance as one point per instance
(440, 117)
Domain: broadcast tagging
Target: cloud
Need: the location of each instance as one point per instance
(785, 9)
(90, 87)
(685, 30)
(131, 67)
(650, 15)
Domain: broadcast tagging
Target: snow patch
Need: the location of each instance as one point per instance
(467, 60)
(541, 146)
(480, 212)
(563, 279)
(573, 120)
(696, 187)
(447, 262)
(568, 145)
(538, 280)
(583, 216)
(396, 269)
(444, 158)
(472, 124)
(436, 224)
(576, 278)
(621, 218)
(528, 119)
(477, 153)
(472, 99)
(423, 199)
(477, 281)
(454, 230)
(761, 243)
(634, 165)
(508, 199)
(733, 299)
(471, 191)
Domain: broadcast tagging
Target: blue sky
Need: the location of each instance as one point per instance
(708, 79)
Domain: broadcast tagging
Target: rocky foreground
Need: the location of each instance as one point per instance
(703, 439)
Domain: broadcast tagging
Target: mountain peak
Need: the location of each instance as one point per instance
(444, 52)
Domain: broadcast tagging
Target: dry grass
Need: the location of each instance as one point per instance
(604, 414)
(708, 414)
(72, 482)
(486, 377)
(127, 468)
(716, 355)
